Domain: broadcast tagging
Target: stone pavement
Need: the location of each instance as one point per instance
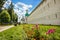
(2, 28)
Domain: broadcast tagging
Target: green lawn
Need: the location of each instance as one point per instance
(15, 33)
(19, 32)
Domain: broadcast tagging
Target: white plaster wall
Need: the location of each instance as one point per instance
(46, 13)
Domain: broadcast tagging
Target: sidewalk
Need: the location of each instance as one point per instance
(2, 28)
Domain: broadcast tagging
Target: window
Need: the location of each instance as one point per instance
(56, 15)
(48, 5)
(55, 1)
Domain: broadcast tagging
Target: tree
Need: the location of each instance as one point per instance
(10, 10)
(12, 14)
(14, 17)
(1, 4)
(4, 17)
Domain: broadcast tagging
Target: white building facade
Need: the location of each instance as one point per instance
(47, 12)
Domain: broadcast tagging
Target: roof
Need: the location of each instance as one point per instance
(27, 14)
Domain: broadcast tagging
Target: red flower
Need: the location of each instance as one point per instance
(50, 31)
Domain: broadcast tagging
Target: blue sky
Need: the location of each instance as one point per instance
(20, 6)
(34, 3)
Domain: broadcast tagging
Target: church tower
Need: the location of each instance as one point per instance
(26, 16)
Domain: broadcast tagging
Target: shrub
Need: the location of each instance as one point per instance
(4, 17)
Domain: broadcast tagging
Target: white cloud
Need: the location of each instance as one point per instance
(22, 5)
(7, 3)
(30, 6)
(19, 8)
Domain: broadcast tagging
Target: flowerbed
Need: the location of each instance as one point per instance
(40, 32)
(31, 32)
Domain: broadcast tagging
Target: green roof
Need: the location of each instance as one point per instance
(27, 14)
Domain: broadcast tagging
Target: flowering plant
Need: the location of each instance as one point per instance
(36, 34)
(51, 31)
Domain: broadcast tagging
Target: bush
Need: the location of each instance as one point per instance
(4, 17)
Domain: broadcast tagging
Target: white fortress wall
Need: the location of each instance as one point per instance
(47, 12)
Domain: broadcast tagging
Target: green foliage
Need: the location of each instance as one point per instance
(42, 32)
(10, 10)
(15, 33)
(37, 34)
(19, 33)
(4, 17)
(2, 2)
(14, 17)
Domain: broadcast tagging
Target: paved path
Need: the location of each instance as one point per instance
(2, 28)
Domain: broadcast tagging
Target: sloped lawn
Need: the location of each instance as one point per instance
(15, 33)
(31, 32)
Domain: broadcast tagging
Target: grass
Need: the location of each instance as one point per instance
(15, 33)
(18, 32)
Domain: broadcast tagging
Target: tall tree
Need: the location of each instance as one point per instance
(2, 2)
(11, 12)
(10, 9)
